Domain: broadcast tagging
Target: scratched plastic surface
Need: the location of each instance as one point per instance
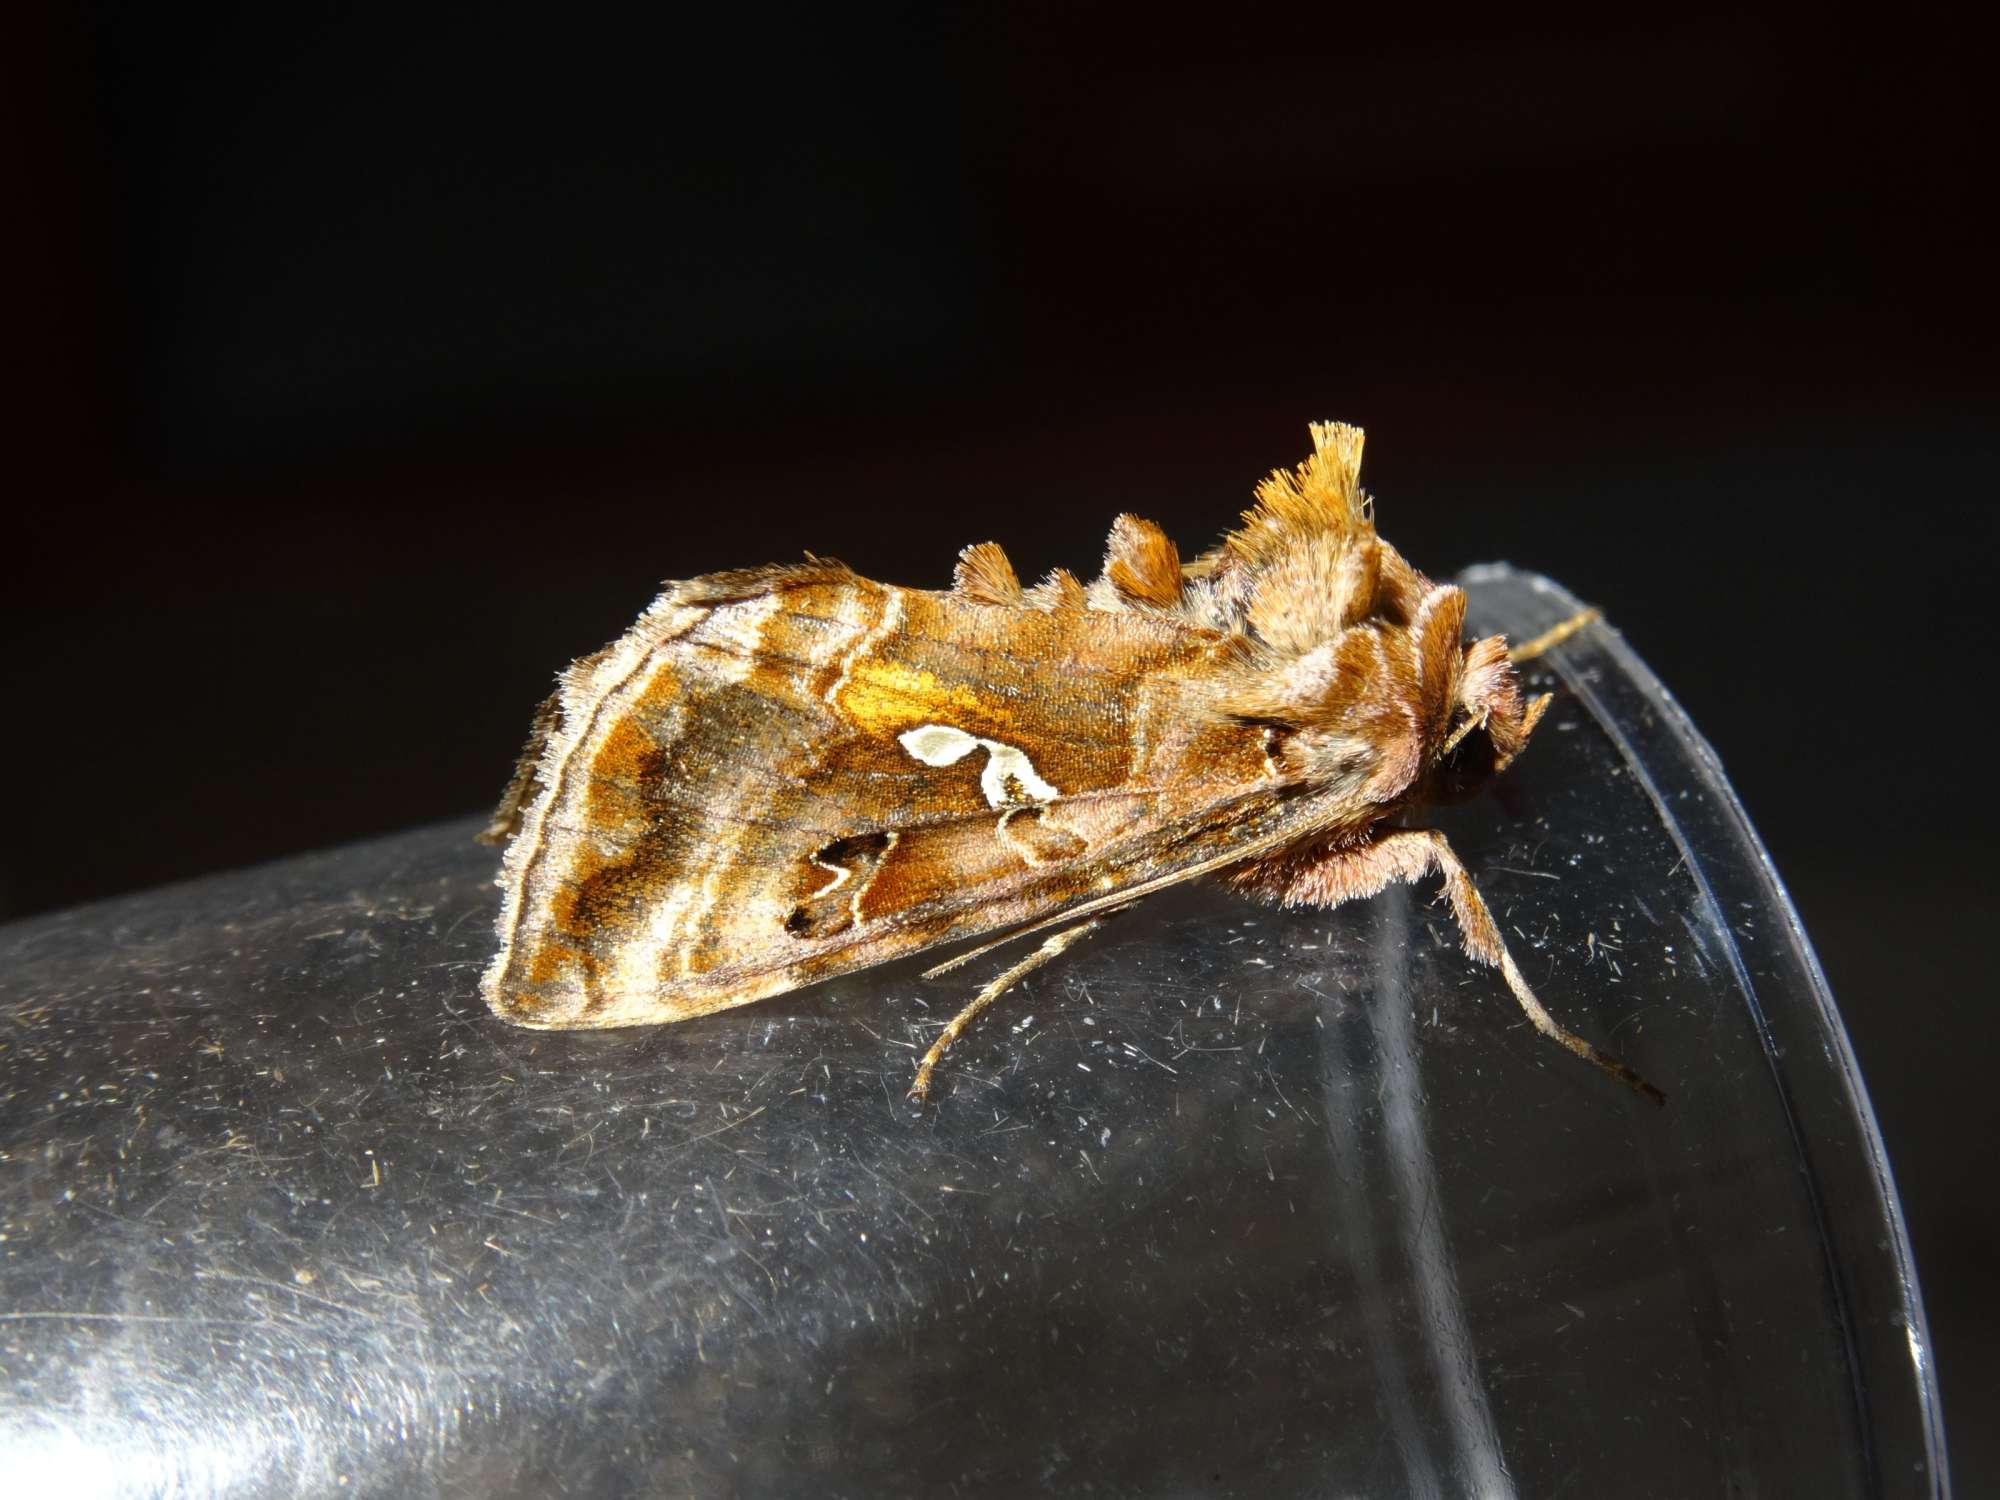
(1232, 1202)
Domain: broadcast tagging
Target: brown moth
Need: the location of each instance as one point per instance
(792, 772)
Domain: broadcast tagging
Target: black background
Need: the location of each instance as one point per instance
(383, 361)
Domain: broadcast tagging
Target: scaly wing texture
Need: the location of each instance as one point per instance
(780, 776)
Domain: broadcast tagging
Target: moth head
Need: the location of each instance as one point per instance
(1488, 724)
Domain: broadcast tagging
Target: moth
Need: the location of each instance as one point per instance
(787, 773)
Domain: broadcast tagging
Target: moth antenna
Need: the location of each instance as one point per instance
(1142, 563)
(1555, 635)
(984, 574)
(959, 960)
(1052, 947)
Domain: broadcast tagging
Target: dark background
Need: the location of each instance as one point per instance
(381, 362)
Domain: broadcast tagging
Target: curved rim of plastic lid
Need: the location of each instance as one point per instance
(1812, 1064)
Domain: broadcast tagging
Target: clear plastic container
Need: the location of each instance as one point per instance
(1228, 1202)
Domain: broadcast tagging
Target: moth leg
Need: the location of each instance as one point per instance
(1555, 635)
(1052, 947)
(1410, 854)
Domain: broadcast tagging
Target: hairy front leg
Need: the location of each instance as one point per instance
(1409, 854)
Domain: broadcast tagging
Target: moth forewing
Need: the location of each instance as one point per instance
(829, 773)
(784, 774)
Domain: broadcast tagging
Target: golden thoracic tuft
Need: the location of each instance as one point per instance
(1322, 495)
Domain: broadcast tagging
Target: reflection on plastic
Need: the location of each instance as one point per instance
(1231, 1202)
(1460, 1420)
